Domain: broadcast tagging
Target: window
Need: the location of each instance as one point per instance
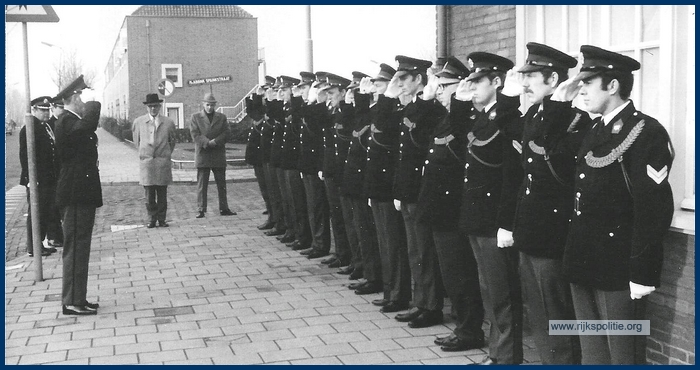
(173, 72)
(175, 112)
(660, 37)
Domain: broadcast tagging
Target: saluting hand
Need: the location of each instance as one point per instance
(512, 85)
(431, 87)
(296, 91)
(464, 91)
(350, 96)
(269, 94)
(259, 90)
(366, 85)
(393, 90)
(567, 90)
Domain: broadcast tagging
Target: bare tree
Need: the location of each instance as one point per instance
(68, 67)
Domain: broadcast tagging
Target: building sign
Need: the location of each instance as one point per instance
(208, 80)
(30, 13)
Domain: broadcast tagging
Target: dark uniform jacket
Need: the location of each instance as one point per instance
(275, 110)
(441, 187)
(383, 149)
(419, 120)
(355, 163)
(551, 137)
(45, 154)
(256, 111)
(76, 143)
(311, 137)
(290, 140)
(488, 202)
(336, 139)
(619, 221)
(267, 130)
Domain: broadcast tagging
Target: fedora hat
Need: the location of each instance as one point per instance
(152, 99)
(209, 98)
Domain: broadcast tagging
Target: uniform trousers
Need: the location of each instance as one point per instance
(595, 304)
(500, 291)
(260, 177)
(547, 296)
(393, 250)
(366, 232)
(317, 207)
(302, 231)
(203, 187)
(78, 221)
(46, 196)
(156, 202)
(273, 190)
(428, 293)
(55, 230)
(347, 256)
(342, 246)
(287, 201)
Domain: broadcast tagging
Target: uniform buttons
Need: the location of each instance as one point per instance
(578, 194)
(431, 151)
(611, 235)
(529, 160)
(359, 170)
(465, 179)
(370, 138)
(466, 165)
(578, 213)
(369, 159)
(436, 138)
(447, 192)
(427, 161)
(581, 176)
(312, 150)
(402, 133)
(383, 169)
(401, 145)
(346, 161)
(488, 194)
(416, 168)
(527, 191)
(555, 210)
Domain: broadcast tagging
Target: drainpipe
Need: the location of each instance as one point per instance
(148, 51)
(309, 62)
(442, 47)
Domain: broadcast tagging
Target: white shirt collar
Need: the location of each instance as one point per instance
(609, 117)
(76, 114)
(488, 107)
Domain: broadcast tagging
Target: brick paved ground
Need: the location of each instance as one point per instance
(203, 291)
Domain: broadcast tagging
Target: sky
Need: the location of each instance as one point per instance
(345, 38)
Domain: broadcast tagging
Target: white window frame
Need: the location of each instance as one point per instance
(179, 72)
(181, 115)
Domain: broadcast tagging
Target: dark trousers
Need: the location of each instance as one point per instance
(423, 261)
(203, 186)
(342, 246)
(461, 281)
(500, 291)
(319, 214)
(391, 237)
(46, 196)
(594, 304)
(156, 202)
(302, 231)
(260, 177)
(273, 190)
(78, 221)
(347, 256)
(366, 232)
(287, 200)
(547, 296)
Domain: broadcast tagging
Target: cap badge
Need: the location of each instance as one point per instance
(617, 127)
(470, 63)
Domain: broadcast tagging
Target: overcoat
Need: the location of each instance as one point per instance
(155, 165)
(202, 131)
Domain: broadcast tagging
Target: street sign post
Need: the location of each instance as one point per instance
(30, 13)
(165, 87)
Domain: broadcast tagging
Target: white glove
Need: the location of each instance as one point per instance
(638, 291)
(505, 238)
(313, 95)
(369, 202)
(320, 175)
(512, 85)
(366, 85)
(464, 92)
(393, 90)
(397, 205)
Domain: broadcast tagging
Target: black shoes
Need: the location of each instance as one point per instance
(410, 315)
(45, 252)
(426, 319)
(457, 344)
(347, 270)
(200, 214)
(336, 264)
(356, 285)
(369, 288)
(442, 340)
(227, 212)
(394, 307)
(92, 306)
(356, 274)
(274, 232)
(287, 238)
(151, 225)
(78, 310)
(267, 225)
(316, 254)
(329, 260)
(301, 247)
(162, 224)
(380, 302)
(306, 252)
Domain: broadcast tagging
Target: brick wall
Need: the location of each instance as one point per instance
(489, 28)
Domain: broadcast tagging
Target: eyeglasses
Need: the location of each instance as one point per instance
(443, 86)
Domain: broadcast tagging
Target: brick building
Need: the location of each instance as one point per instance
(187, 44)
(662, 38)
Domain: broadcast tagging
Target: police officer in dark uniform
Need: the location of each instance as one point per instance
(488, 207)
(267, 134)
(253, 152)
(47, 169)
(54, 233)
(546, 198)
(352, 186)
(623, 206)
(313, 112)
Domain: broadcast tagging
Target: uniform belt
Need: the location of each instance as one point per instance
(444, 140)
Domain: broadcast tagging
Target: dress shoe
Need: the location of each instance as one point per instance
(200, 214)
(44, 253)
(292, 244)
(356, 274)
(442, 340)
(306, 252)
(329, 260)
(356, 285)
(55, 244)
(347, 270)
(151, 225)
(163, 224)
(227, 212)
(457, 344)
(394, 307)
(316, 254)
(410, 315)
(426, 319)
(380, 302)
(337, 264)
(267, 225)
(287, 238)
(486, 361)
(51, 250)
(78, 310)
(274, 232)
(301, 247)
(92, 306)
(369, 288)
